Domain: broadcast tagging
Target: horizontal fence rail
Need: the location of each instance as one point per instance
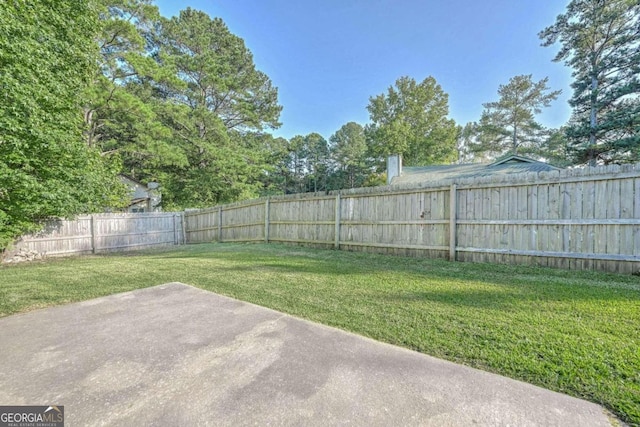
(578, 218)
(105, 233)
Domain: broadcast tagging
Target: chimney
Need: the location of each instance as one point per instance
(394, 167)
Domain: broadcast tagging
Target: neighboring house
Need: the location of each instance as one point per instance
(144, 198)
(396, 174)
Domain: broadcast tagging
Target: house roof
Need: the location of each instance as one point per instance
(508, 165)
(138, 191)
(128, 180)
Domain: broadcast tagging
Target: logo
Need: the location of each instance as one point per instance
(32, 416)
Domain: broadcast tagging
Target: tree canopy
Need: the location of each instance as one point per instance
(411, 120)
(124, 90)
(599, 40)
(179, 101)
(47, 57)
(120, 112)
(508, 125)
(214, 100)
(350, 154)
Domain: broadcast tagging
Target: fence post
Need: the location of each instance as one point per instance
(267, 204)
(183, 222)
(219, 223)
(175, 230)
(453, 213)
(93, 234)
(337, 230)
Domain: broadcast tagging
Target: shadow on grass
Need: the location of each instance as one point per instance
(504, 284)
(385, 300)
(499, 286)
(482, 299)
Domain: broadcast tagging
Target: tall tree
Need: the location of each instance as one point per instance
(218, 73)
(122, 57)
(317, 161)
(219, 97)
(349, 151)
(555, 148)
(274, 158)
(47, 57)
(600, 40)
(120, 111)
(508, 125)
(298, 152)
(411, 120)
(466, 142)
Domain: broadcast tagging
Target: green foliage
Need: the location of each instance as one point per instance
(350, 154)
(317, 166)
(556, 149)
(599, 40)
(349, 145)
(273, 156)
(179, 101)
(411, 120)
(308, 164)
(311, 164)
(508, 125)
(466, 141)
(47, 57)
(213, 104)
(121, 112)
(217, 73)
(297, 164)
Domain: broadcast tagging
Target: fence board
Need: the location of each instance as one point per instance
(579, 219)
(104, 233)
(590, 216)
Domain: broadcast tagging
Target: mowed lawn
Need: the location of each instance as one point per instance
(573, 332)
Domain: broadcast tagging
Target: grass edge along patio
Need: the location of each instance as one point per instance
(572, 332)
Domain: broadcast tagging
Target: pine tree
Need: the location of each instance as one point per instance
(600, 40)
(508, 125)
(215, 98)
(349, 151)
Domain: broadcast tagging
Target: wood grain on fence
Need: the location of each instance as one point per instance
(106, 232)
(579, 219)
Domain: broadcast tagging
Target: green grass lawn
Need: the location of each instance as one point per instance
(573, 332)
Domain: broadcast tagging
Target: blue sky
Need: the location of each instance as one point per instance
(328, 57)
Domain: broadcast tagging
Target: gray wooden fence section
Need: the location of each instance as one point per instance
(106, 232)
(578, 219)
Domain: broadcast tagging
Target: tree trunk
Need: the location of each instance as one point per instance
(90, 129)
(593, 121)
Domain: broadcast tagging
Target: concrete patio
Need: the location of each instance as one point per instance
(177, 355)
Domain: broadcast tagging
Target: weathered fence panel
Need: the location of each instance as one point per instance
(309, 220)
(242, 222)
(578, 219)
(203, 225)
(106, 232)
(396, 221)
(566, 220)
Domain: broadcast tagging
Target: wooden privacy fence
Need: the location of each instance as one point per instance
(106, 232)
(577, 218)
